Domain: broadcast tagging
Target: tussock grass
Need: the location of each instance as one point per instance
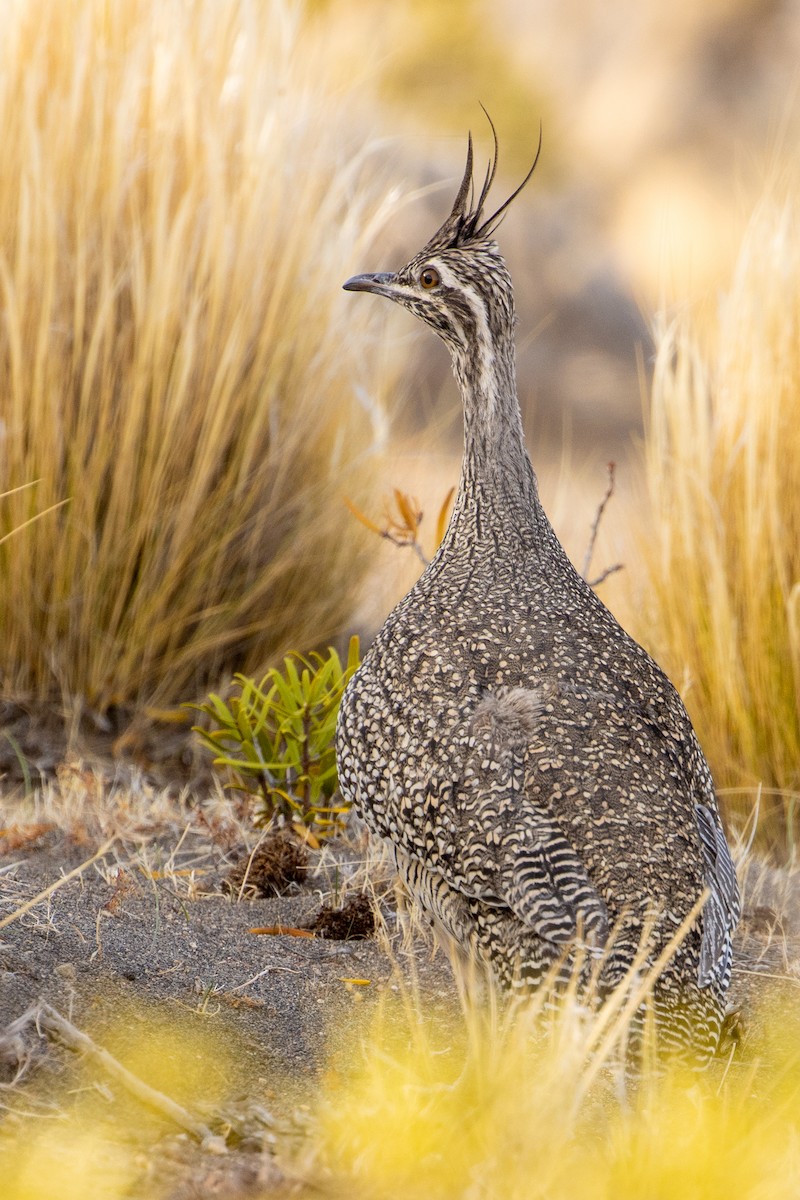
(722, 543)
(495, 1109)
(435, 1107)
(182, 195)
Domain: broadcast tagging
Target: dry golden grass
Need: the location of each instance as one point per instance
(426, 1106)
(183, 194)
(491, 1109)
(722, 543)
(442, 1110)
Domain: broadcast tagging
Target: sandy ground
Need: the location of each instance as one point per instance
(154, 929)
(160, 929)
(114, 932)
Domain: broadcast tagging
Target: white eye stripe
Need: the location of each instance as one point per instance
(477, 306)
(449, 279)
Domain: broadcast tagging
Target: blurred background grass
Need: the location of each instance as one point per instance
(721, 556)
(185, 186)
(180, 201)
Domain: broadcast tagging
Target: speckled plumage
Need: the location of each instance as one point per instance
(532, 768)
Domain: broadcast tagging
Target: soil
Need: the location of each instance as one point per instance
(265, 952)
(101, 941)
(268, 953)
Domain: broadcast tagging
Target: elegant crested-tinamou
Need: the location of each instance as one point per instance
(533, 770)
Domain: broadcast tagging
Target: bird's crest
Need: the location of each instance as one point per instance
(466, 221)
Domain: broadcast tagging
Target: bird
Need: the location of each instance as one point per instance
(532, 770)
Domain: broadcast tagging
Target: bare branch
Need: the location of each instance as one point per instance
(601, 578)
(403, 542)
(53, 1025)
(601, 508)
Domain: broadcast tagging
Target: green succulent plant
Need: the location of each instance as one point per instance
(276, 738)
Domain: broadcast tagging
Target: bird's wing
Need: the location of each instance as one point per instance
(519, 855)
(549, 889)
(721, 911)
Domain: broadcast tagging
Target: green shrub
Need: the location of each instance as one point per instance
(277, 737)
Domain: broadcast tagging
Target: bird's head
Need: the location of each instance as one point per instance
(458, 283)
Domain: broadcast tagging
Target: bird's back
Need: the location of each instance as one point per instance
(491, 656)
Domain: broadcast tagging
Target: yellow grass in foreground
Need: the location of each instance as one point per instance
(182, 194)
(444, 1109)
(91, 1135)
(498, 1112)
(722, 544)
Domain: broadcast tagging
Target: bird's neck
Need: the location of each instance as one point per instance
(497, 496)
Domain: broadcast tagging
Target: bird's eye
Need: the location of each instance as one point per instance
(430, 278)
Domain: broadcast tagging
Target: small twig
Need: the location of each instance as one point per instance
(604, 575)
(51, 1023)
(48, 891)
(601, 508)
(255, 978)
(282, 931)
(412, 543)
(769, 975)
(728, 1065)
(587, 558)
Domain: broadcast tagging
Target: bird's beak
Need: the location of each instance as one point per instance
(380, 284)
